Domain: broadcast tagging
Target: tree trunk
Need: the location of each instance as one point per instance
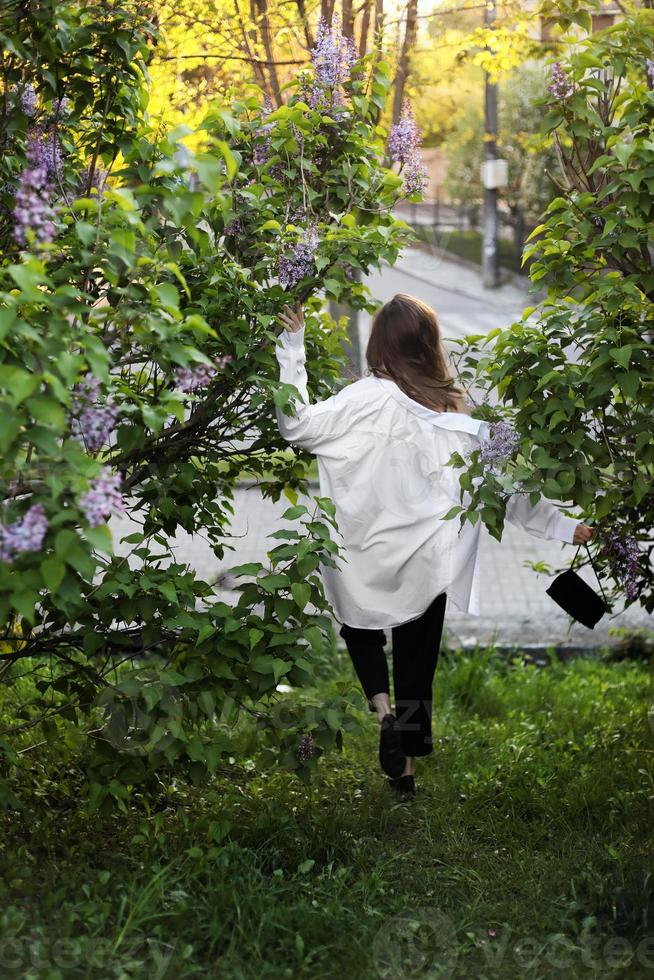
(302, 11)
(348, 18)
(260, 17)
(327, 10)
(365, 27)
(378, 27)
(249, 43)
(404, 59)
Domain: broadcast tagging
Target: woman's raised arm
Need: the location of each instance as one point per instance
(313, 426)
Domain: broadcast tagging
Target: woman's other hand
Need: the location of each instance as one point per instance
(583, 533)
(293, 320)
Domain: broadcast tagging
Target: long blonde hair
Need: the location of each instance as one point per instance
(405, 344)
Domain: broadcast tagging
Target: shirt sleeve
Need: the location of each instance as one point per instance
(543, 520)
(313, 426)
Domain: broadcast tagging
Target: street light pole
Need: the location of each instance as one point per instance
(490, 263)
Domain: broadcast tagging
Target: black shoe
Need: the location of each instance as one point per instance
(392, 758)
(404, 785)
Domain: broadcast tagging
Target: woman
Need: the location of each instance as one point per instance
(382, 446)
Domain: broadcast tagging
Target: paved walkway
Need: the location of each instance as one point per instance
(515, 608)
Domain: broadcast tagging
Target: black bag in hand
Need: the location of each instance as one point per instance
(576, 597)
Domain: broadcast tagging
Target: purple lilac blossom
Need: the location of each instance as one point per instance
(333, 58)
(502, 443)
(263, 151)
(306, 748)
(649, 70)
(201, 376)
(27, 100)
(33, 211)
(24, 535)
(104, 498)
(234, 227)
(45, 151)
(623, 556)
(405, 137)
(560, 85)
(415, 177)
(61, 107)
(404, 141)
(300, 263)
(94, 421)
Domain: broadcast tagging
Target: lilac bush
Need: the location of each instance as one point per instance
(141, 302)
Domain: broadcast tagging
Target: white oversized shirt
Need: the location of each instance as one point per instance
(382, 458)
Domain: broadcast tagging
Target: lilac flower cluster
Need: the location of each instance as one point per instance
(404, 141)
(27, 100)
(623, 556)
(306, 748)
(333, 58)
(301, 262)
(559, 85)
(263, 151)
(195, 378)
(33, 211)
(95, 419)
(61, 107)
(26, 534)
(502, 443)
(43, 150)
(405, 137)
(104, 498)
(415, 177)
(234, 227)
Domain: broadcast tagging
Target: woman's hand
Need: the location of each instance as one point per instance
(583, 533)
(293, 320)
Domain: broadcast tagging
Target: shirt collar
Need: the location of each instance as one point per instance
(454, 421)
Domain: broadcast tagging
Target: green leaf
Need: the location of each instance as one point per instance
(53, 571)
(255, 635)
(301, 593)
(291, 513)
(622, 355)
(249, 568)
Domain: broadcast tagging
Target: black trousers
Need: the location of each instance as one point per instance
(415, 648)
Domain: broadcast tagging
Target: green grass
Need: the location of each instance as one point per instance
(468, 245)
(528, 851)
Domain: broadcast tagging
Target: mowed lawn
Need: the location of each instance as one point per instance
(528, 852)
